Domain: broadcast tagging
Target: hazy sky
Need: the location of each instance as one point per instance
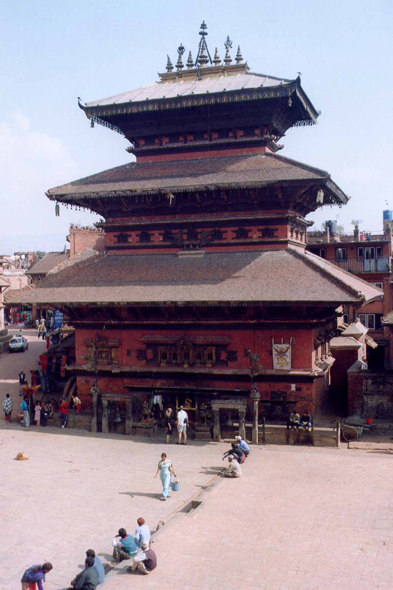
(53, 51)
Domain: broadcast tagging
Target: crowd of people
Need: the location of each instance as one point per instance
(236, 455)
(125, 547)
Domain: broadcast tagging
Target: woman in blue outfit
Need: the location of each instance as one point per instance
(166, 470)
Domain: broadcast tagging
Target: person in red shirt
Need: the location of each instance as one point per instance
(63, 412)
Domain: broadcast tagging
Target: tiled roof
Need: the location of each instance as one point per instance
(289, 275)
(194, 86)
(198, 174)
(48, 262)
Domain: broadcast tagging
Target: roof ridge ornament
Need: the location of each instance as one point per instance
(180, 52)
(190, 62)
(169, 65)
(228, 46)
(239, 57)
(217, 58)
(203, 56)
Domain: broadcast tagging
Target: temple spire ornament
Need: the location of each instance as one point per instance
(203, 56)
(239, 57)
(190, 62)
(217, 58)
(169, 66)
(180, 52)
(228, 46)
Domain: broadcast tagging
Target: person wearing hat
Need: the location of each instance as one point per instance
(233, 469)
(245, 447)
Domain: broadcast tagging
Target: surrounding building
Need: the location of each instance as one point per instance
(205, 294)
(369, 257)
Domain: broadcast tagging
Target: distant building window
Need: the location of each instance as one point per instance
(346, 318)
(268, 232)
(341, 254)
(379, 252)
(368, 320)
(378, 284)
(360, 253)
(322, 253)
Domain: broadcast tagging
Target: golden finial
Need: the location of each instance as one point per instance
(180, 52)
(239, 56)
(216, 59)
(190, 62)
(228, 46)
(169, 66)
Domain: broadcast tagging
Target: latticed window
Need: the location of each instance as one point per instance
(145, 237)
(122, 238)
(242, 233)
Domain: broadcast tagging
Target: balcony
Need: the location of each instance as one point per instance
(357, 266)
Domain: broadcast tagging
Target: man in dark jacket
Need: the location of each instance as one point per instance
(146, 561)
(236, 452)
(87, 580)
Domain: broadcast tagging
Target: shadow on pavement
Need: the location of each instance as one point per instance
(145, 495)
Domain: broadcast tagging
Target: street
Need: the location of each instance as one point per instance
(12, 363)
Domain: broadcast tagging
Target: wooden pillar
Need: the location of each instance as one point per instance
(94, 417)
(129, 416)
(216, 426)
(105, 422)
(242, 425)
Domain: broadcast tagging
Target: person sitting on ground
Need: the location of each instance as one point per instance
(97, 565)
(233, 469)
(294, 419)
(245, 447)
(88, 579)
(146, 561)
(236, 452)
(306, 421)
(35, 575)
(142, 533)
(125, 548)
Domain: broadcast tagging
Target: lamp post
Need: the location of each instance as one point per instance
(255, 395)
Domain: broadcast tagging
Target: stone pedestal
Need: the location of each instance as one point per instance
(203, 432)
(149, 428)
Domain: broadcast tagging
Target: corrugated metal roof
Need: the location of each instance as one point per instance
(208, 84)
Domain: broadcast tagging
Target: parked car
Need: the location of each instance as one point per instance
(18, 344)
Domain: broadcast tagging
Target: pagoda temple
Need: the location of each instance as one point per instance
(205, 294)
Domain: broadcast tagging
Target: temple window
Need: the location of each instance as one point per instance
(167, 237)
(241, 233)
(268, 232)
(122, 238)
(192, 234)
(217, 234)
(145, 237)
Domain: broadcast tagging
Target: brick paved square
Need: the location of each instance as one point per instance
(299, 518)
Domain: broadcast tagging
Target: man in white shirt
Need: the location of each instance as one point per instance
(233, 469)
(182, 419)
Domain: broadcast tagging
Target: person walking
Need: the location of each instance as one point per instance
(182, 421)
(166, 470)
(34, 576)
(63, 412)
(8, 406)
(24, 406)
(168, 424)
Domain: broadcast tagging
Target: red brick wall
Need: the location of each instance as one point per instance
(83, 239)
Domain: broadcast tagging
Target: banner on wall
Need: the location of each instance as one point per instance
(282, 356)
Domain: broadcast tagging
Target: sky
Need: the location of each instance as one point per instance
(53, 51)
